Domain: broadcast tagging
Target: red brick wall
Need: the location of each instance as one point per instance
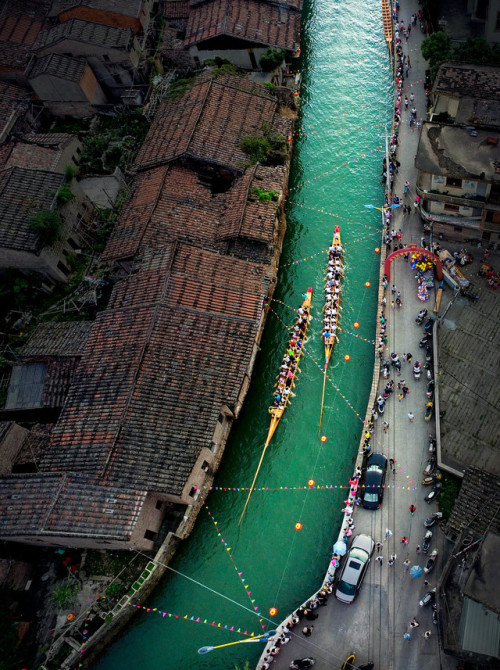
(98, 16)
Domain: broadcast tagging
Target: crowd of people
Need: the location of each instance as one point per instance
(332, 292)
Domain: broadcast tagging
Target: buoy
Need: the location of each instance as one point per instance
(273, 611)
(356, 324)
(298, 526)
(377, 250)
(311, 482)
(70, 616)
(367, 284)
(324, 438)
(347, 357)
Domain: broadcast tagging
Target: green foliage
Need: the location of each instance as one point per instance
(449, 493)
(64, 594)
(227, 68)
(10, 656)
(264, 196)
(217, 62)
(113, 142)
(267, 149)
(436, 49)
(271, 58)
(114, 589)
(70, 171)
(443, 117)
(245, 667)
(256, 147)
(178, 87)
(47, 225)
(270, 86)
(63, 194)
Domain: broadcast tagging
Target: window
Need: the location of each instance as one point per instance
(192, 492)
(453, 182)
(205, 466)
(150, 535)
(63, 268)
(457, 229)
(451, 208)
(159, 504)
(497, 22)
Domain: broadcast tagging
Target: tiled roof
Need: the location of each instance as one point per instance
(175, 9)
(292, 4)
(464, 80)
(34, 445)
(59, 504)
(476, 506)
(170, 203)
(125, 7)
(246, 215)
(248, 20)
(22, 194)
(86, 32)
(36, 156)
(48, 139)
(57, 339)
(208, 123)
(71, 69)
(12, 99)
(170, 350)
(20, 23)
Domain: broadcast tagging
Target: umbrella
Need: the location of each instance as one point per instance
(416, 571)
(339, 548)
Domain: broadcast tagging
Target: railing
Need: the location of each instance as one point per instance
(452, 199)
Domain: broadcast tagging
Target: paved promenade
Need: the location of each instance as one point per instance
(373, 627)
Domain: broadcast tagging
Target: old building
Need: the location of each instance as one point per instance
(21, 21)
(241, 30)
(24, 193)
(43, 151)
(114, 54)
(15, 101)
(133, 14)
(459, 181)
(66, 86)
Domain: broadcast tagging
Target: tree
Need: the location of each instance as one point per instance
(436, 49)
(64, 593)
(271, 58)
(47, 225)
(476, 51)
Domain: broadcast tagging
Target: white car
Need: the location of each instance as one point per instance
(355, 566)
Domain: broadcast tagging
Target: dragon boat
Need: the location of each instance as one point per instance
(286, 377)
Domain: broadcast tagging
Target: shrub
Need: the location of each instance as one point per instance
(64, 194)
(256, 147)
(47, 225)
(271, 58)
(64, 594)
(264, 196)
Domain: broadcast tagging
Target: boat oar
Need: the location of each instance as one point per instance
(322, 401)
(254, 480)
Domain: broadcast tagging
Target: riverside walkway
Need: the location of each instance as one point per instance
(373, 627)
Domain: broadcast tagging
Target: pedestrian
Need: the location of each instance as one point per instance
(412, 509)
(393, 472)
(386, 426)
(401, 396)
(307, 631)
(405, 391)
(409, 62)
(404, 540)
(427, 634)
(414, 623)
(411, 416)
(388, 533)
(378, 546)
(392, 560)
(392, 304)
(407, 564)
(419, 549)
(380, 560)
(407, 67)
(391, 462)
(407, 636)
(406, 186)
(409, 357)
(394, 289)
(399, 303)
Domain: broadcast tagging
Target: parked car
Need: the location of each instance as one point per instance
(374, 481)
(355, 566)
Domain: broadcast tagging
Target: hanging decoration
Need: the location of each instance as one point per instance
(240, 574)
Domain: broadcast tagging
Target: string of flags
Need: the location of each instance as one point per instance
(316, 487)
(193, 618)
(239, 573)
(333, 131)
(334, 169)
(324, 251)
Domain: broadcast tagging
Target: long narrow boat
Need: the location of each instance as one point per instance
(331, 310)
(286, 377)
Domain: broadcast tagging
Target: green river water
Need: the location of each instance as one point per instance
(346, 97)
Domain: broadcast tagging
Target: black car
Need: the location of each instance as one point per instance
(374, 480)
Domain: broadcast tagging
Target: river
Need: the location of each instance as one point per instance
(346, 98)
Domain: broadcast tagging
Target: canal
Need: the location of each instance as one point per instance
(346, 99)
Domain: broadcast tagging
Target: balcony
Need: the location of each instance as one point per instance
(476, 201)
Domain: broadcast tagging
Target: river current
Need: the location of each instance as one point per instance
(346, 98)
